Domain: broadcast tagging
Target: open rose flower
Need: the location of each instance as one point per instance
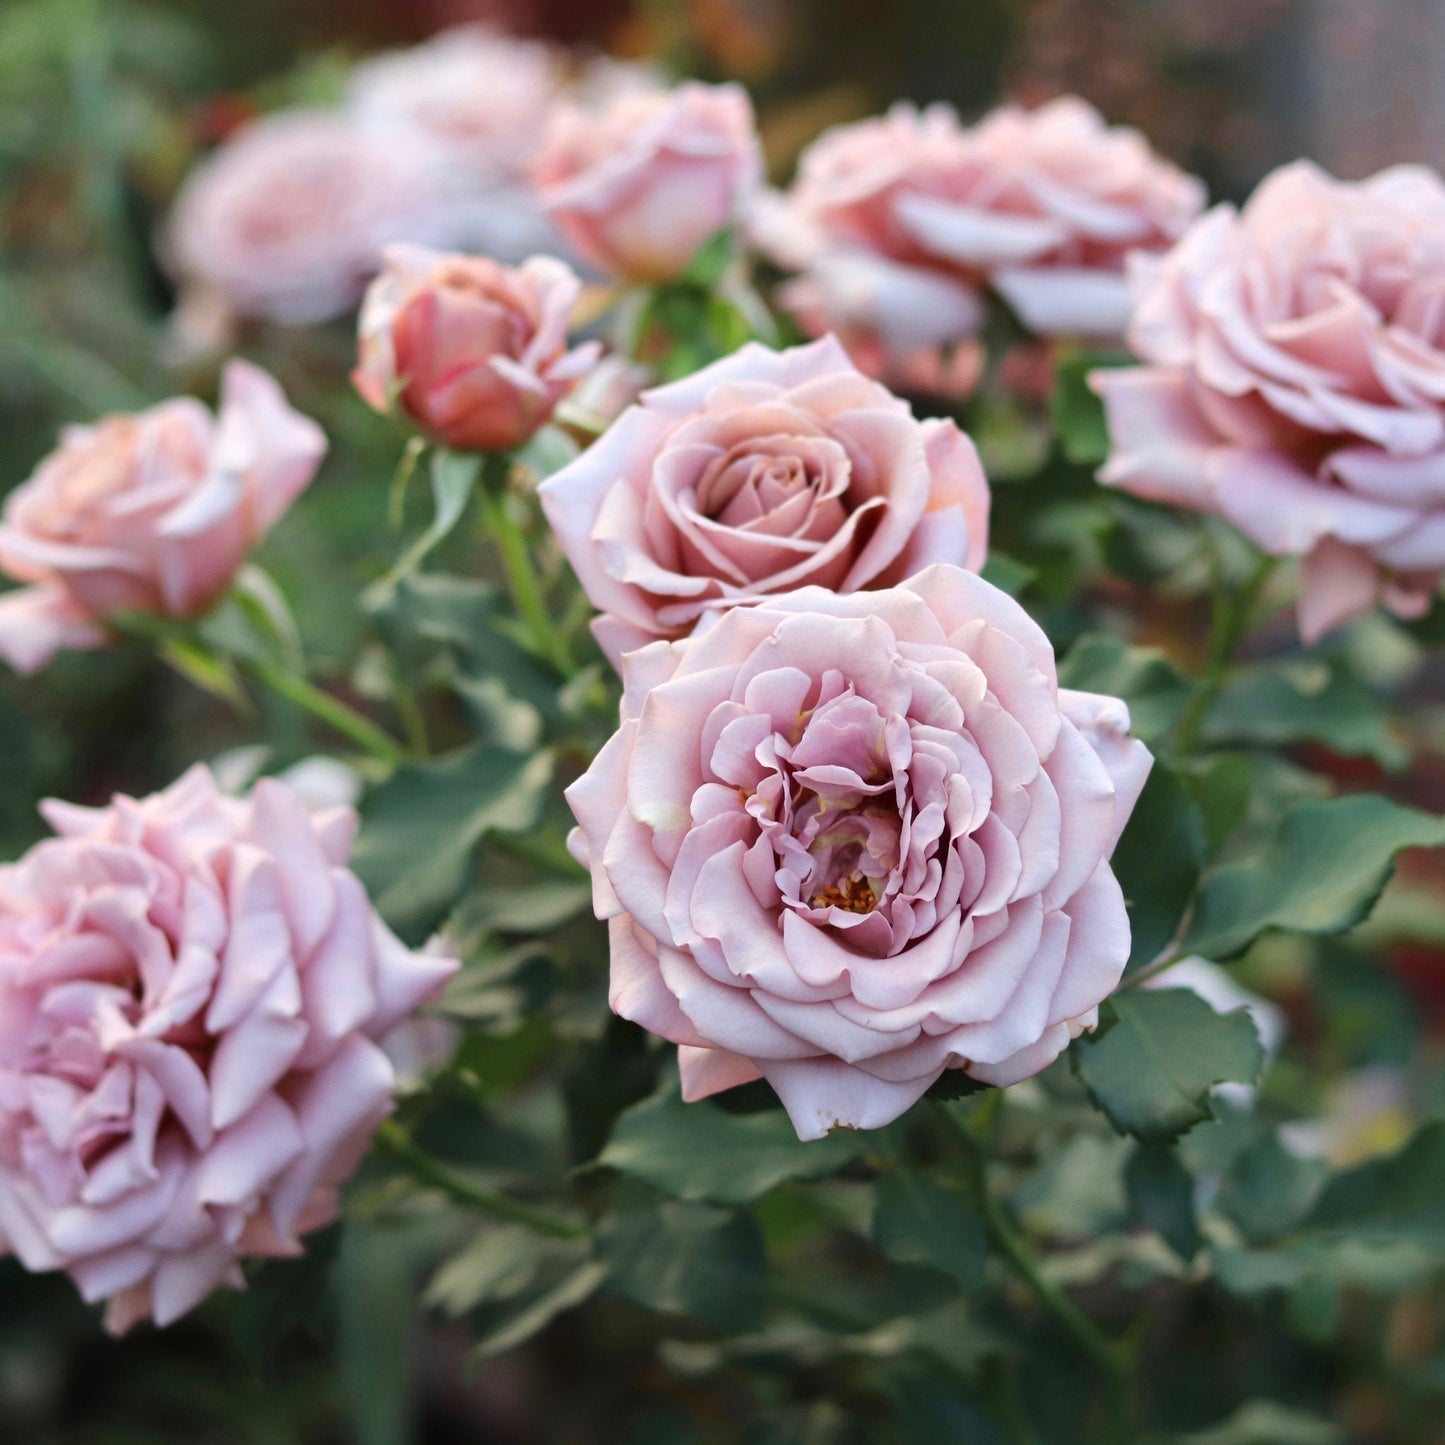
(765, 472)
(638, 188)
(193, 991)
(479, 99)
(473, 352)
(286, 220)
(1296, 383)
(845, 843)
(900, 221)
(153, 512)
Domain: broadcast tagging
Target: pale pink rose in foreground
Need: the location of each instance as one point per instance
(1296, 383)
(765, 472)
(471, 351)
(153, 513)
(639, 187)
(193, 990)
(286, 219)
(900, 222)
(478, 99)
(845, 843)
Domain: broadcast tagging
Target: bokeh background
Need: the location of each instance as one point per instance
(104, 104)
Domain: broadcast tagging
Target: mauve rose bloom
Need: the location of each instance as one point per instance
(471, 351)
(845, 843)
(286, 219)
(1296, 384)
(900, 220)
(479, 99)
(153, 512)
(765, 472)
(638, 187)
(193, 991)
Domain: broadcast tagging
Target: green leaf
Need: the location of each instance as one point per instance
(1078, 413)
(1262, 1422)
(701, 1152)
(508, 1330)
(1156, 1056)
(1161, 1191)
(711, 261)
(1157, 693)
(1269, 1189)
(498, 1264)
(1315, 700)
(1398, 1198)
(916, 1221)
(1006, 574)
(419, 827)
(1157, 863)
(687, 1259)
(453, 479)
(1320, 871)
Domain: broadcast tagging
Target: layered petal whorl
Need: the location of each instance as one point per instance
(765, 472)
(845, 843)
(1295, 383)
(193, 994)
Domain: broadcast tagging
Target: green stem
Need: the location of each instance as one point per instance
(394, 1140)
(1233, 613)
(330, 710)
(522, 580)
(1111, 1359)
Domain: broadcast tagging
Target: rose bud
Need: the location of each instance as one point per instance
(152, 513)
(1295, 384)
(845, 843)
(639, 188)
(193, 1000)
(472, 352)
(765, 472)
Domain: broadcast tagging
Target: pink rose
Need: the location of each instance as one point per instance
(287, 219)
(192, 993)
(479, 100)
(640, 187)
(765, 472)
(475, 353)
(845, 843)
(901, 219)
(148, 513)
(1296, 384)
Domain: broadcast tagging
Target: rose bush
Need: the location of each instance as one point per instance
(846, 843)
(766, 472)
(148, 513)
(473, 352)
(899, 222)
(287, 218)
(193, 988)
(638, 187)
(1295, 383)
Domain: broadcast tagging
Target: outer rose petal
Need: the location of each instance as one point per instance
(37, 622)
(1337, 583)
